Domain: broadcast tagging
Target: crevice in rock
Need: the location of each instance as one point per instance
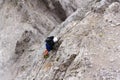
(63, 67)
(56, 7)
(23, 43)
(35, 27)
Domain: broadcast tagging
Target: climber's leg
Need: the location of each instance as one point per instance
(48, 47)
(46, 52)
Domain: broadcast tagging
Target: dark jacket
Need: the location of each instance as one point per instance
(49, 43)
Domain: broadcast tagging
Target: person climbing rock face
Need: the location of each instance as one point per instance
(50, 41)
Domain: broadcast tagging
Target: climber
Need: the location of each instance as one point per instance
(50, 41)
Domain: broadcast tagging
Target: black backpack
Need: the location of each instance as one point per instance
(49, 40)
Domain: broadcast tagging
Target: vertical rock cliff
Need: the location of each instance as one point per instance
(89, 45)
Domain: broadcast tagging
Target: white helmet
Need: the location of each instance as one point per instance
(55, 39)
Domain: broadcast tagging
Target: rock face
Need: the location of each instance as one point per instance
(89, 45)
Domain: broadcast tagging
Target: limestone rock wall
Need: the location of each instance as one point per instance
(88, 48)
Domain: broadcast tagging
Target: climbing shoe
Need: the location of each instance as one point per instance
(46, 56)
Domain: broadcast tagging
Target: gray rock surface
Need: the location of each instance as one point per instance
(89, 45)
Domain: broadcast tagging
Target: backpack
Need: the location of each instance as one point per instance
(49, 39)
